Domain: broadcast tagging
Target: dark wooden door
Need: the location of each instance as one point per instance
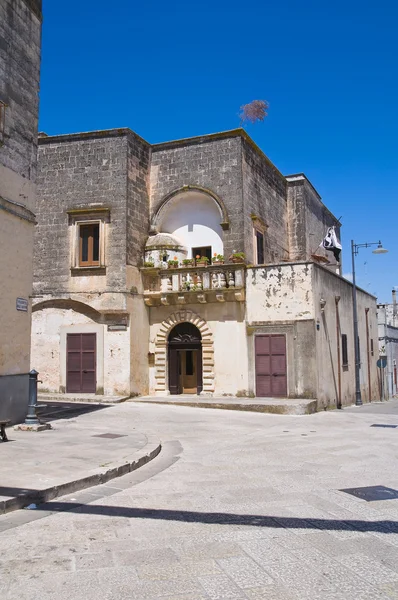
(271, 376)
(174, 371)
(81, 363)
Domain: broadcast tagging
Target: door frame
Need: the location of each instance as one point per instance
(199, 365)
(84, 328)
(93, 351)
(270, 335)
(290, 332)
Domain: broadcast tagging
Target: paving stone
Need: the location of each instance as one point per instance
(220, 587)
(245, 572)
(208, 526)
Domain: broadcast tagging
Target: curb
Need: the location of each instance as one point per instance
(307, 408)
(103, 476)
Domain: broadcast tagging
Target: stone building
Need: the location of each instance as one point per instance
(387, 315)
(20, 43)
(191, 266)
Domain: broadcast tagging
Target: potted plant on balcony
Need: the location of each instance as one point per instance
(202, 261)
(173, 264)
(149, 264)
(237, 257)
(218, 259)
(188, 262)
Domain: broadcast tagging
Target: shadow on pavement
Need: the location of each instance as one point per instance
(52, 411)
(224, 518)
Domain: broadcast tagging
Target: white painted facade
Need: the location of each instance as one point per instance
(194, 219)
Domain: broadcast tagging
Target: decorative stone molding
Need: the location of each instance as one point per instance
(184, 316)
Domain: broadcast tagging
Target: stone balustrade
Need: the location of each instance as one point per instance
(199, 284)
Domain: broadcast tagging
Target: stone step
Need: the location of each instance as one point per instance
(280, 406)
(93, 398)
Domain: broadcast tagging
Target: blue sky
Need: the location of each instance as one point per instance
(178, 69)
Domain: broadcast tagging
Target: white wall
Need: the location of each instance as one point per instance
(194, 218)
(279, 293)
(226, 322)
(49, 329)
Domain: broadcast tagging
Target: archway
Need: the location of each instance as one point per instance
(185, 359)
(194, 216)
(161, 348)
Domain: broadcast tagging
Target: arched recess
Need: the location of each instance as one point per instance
(157, 217)
(67, 304)
(161, 366)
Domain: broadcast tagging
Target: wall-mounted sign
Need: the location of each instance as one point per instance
(22, 304)
(117, 327)
(382, 363)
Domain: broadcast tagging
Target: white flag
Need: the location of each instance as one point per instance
(331, 243)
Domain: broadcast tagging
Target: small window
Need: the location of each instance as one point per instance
(89, 240)
(260, 247)
(344, 349)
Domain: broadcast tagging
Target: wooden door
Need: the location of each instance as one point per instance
(81, 363)
(271, 376)
(188, 375)
(174, 370)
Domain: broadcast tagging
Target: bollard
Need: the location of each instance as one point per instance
(31, 417)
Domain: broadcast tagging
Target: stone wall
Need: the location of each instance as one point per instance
(137, 214)
(211, 162)
(20, 43)
(308, 220)
(80, 172)
(388, 345)
(264, 193)
(20, 40)
(335, 319)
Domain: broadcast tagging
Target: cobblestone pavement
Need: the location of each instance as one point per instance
(237, 506)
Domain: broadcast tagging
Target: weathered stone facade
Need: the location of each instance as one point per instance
(20, 44)
(215, 194)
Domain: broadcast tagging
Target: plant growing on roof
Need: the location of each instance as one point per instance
(254, 111)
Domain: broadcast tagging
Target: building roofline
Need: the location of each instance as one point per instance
(210, 137)
(36, 7)
(292, 179)
(89, 135)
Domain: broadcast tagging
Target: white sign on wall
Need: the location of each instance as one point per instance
(22, 304)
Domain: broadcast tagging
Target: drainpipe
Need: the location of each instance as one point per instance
(394, 307)
(337, 300)
(368, 352)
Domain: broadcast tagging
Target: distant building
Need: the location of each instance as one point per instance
(388, 343)
(140, 287)
(20, 42)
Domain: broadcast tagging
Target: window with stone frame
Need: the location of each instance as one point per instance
(259, 228)
(88, 234)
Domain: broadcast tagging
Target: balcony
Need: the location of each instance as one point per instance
(194, 285)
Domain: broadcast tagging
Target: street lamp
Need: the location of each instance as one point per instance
(354, 252)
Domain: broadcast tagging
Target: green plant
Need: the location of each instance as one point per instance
(218, 257)
(149, 263)
(188, 286)
(187, 261)
(172, 264)
(237, 256)
(202, 260)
